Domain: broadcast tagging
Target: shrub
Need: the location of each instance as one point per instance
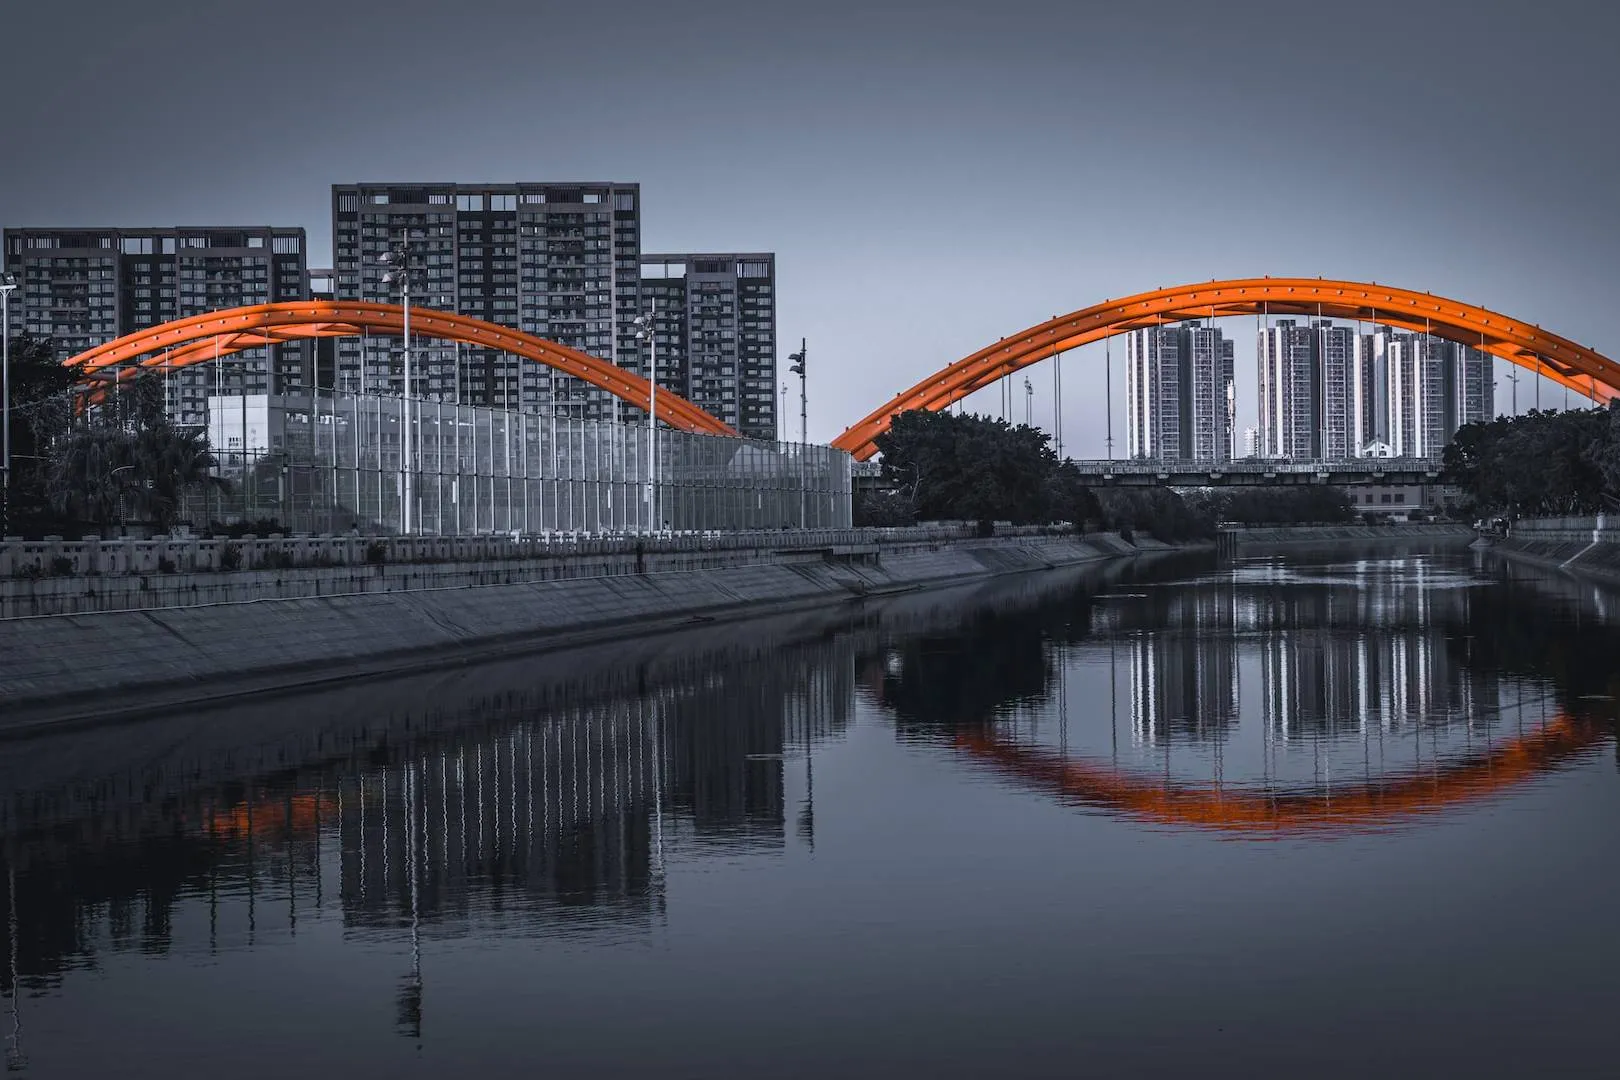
(61, 566)
(230, 557)
(166, 565)
(376, 552)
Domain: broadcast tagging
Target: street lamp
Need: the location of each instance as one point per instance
(798, 368)
(646, 331)
(7, 283)
(399, 272)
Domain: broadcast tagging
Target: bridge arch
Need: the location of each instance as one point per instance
(1584, 370)
(202, 338)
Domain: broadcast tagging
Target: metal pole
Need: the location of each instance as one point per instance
(405, 417)
(804, 429)
(1108, 383)
(652, 419)
(6, 285)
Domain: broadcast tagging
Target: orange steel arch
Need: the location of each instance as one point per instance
(1351, 808)
(201, 338)
(1581, 369)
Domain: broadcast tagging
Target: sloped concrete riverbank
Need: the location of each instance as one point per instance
(61, 668)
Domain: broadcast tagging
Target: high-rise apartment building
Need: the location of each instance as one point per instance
(1327, 393)
(1178, 393)
(1309, 390)
(83, 287)
(716, 329)
(561, 261)
(1435, 387)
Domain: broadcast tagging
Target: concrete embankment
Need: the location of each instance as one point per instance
(67, 666)
(1416, 532)
(1583, 545)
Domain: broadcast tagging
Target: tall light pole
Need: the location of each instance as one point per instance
(798, 368)
(646, 330)
(399, 273)
(7, 283)
(1029, 403)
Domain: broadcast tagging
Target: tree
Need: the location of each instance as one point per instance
(124, 456)
(967, 467)
(1285, 506)
(41, 407)
(1543, 462)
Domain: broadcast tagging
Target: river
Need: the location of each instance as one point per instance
(1325, 812)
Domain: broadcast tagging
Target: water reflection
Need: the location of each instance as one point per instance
(548, 797)
(1272, 699)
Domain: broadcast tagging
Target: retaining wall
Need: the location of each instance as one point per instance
(63, 666)
(1586, 545)
(1335, 534)
(66, 577)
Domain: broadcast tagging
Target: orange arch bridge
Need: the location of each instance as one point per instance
(1575, 366)
(202, 338)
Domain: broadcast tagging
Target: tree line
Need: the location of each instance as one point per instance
(938, 466)
(1541, 462)
(78, 469)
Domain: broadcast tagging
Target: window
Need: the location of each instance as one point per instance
(503, 202)
(287, 245)
(624, 200)
(378, 198)
(168, 245)
(533, 197)
(469, 202)
(348, 201)
(592, 197)
(438, 200)
(255, 242)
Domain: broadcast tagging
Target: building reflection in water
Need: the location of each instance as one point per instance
(551, 800)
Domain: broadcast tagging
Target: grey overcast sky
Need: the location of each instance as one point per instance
(931, 176)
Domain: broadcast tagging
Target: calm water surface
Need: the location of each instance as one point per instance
(1328, 812)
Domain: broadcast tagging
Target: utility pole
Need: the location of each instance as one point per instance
(1029, 403)
(8, 282)
(798, 369)
(646, 330)
(399, 273)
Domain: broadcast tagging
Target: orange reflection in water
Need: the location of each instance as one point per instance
(1266, 815)
(274, 818)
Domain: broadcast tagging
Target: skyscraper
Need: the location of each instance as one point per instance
(717, 334)
(1309, 390)
(1178, 393)
(1422, 389)
(83, 287)
(561, 261)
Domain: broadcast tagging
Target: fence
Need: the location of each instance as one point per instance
(339, 462)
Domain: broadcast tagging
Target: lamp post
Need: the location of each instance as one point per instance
(798, 368)
(646, 330)
(8, 282)
(398, 262)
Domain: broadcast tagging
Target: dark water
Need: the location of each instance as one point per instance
(1322, 814)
